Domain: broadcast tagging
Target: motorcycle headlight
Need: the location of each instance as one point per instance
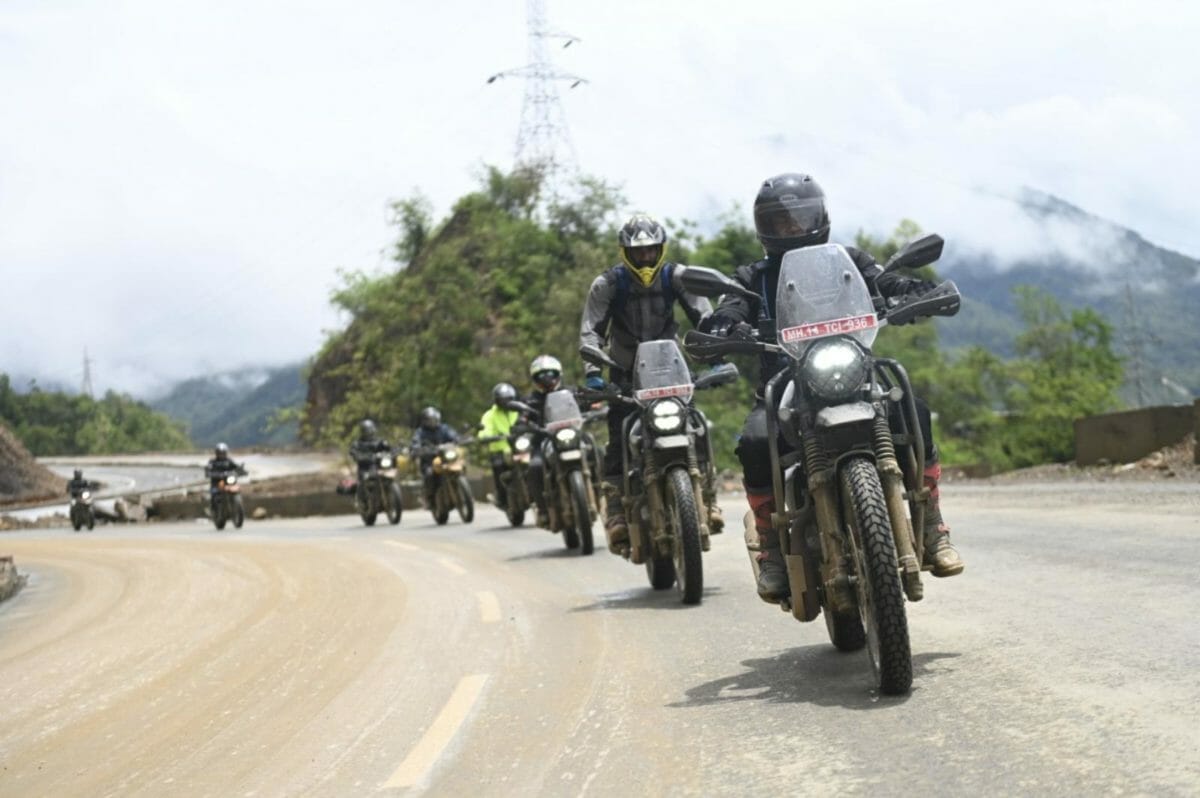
(836, 369)
(566, 437)
(231, 479)
(450, 454)
(385, 462)
(666, 415)
(523, 443)
(87, 494)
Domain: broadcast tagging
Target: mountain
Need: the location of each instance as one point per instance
(1148, 293)
(237, 407)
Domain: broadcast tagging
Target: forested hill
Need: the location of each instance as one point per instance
(249, 407)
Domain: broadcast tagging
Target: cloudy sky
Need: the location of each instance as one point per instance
(181, 181)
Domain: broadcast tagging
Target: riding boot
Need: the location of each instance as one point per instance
(716, 521)
(772, 572)
(939, 551)
(616, 530)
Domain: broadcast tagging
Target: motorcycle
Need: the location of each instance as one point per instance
(666, 463)
(82, 512)
(851, 518)
(378, 490)
(226, 498)
(514, 474)
(570, 456)
(451, 490)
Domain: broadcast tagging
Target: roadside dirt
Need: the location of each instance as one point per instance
(21, 478)
(1175, 462)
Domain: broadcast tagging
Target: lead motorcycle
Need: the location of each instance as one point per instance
(851, 529)
(225, 496)
(666, 462)
(82, 512)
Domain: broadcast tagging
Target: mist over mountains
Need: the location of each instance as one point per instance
(237, 407)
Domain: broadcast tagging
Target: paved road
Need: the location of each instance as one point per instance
(319, 657)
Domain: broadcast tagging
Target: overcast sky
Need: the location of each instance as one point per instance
(180, 181)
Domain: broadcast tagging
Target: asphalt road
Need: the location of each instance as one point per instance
(320, 657)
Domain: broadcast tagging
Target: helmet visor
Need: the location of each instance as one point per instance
(789, 218)
(547, 380)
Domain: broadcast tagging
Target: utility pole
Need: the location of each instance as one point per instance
(543, 140)
(87, 374)
(1134, 339)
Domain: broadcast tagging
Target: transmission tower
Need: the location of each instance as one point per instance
(1135, 338)
(87, 374)
(543, 140)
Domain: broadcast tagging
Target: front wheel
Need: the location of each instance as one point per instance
(582, 512)
(464, 501)
(395, 502)
(441, 504)
(685, 523)
(877, 571)
(91, 519)
(219, 518)
(76, 521)
(239, 512)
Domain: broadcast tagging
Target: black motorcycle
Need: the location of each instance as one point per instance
(570, 455)
(848, 482)
(82, 512)
(225, 496)
(378, 490)
(513, 475)
(666, 463)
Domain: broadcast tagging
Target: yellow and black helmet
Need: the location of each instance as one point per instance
(643, 247)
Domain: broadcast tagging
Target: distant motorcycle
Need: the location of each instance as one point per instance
(378, 491)
(451, 490)
(226, 497)
(82, 512)
(667, 457)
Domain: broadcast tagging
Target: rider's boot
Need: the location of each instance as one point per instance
(616, 530)
(939, 551)
(543, 516)
(772, 572)
(716, 521)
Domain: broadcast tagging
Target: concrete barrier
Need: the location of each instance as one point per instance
(1132, 434)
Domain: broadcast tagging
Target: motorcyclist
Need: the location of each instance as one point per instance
(545, 372)
(430, 434)
(632, 302)
(789, 213)
(219, 468)
(498, 420)
(77, 484)
(364, 448)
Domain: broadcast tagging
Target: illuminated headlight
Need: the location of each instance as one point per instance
(566, 437)
(523, 443)
(836, 369)
(87, 494)
(666, 415)
(231, 480)
(450, 454)
(385, 462)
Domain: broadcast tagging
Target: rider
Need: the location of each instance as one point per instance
(546, 374)
(219, 468)
(364, 448)
(430, 434)
(632, 302)
(77, 484)
(789, 213)
(498, 421)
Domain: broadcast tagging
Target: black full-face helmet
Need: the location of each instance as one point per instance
(503, 393)
(546, 373)
(78, 473)
(366, 430)
(643, 247)
(789, 212)
(431, 418)
(221, 452)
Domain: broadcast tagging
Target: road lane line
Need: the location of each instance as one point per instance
(405, 546)
(429, 748)
(489, 606)
(452, 566)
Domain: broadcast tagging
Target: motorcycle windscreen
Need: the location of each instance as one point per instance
(822, 293)
(562, 411)
(660, 371)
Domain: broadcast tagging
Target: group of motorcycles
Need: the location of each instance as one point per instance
(378, 488)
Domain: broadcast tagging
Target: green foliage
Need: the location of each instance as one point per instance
(51, 423)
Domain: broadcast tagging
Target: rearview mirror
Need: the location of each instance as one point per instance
(922, 252)
(596, 356)
(718, 375)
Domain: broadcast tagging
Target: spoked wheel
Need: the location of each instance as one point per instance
(582, 512)
(395, 504)
(464, 501)
(239, 512)
(877, 571)
(685, 525)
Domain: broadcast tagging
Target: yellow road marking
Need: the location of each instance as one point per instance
(429, 748)
(489, 606)
(452, 566)
(405, 546)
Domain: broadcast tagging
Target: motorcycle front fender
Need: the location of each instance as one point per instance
(841, 415)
